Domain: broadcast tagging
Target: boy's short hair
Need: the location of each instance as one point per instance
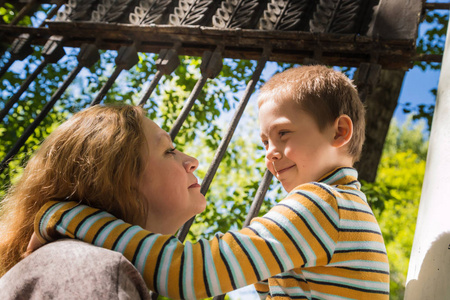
(324, 93)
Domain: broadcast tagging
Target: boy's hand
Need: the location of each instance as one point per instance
(33, 245)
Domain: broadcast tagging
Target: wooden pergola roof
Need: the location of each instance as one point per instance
(333, 32)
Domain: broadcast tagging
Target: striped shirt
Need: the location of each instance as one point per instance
(321, 242)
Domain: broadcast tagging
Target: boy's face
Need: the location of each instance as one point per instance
(297, 151)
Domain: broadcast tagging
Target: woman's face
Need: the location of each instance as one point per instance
(168, 183)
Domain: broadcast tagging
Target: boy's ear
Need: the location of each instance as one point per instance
(343, 130)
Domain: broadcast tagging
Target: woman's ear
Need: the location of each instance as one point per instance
(343, 131)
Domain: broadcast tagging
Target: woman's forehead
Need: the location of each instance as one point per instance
(154, 132)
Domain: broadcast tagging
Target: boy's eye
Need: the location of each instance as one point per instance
(282, 133)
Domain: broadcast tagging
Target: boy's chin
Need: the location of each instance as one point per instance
(288, 188)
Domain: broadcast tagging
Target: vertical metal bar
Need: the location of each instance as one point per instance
(182, 233)
(24, 137)
(234, 122)
(106, 86)
(211, 66)
(150, 89)
(166, 63)
(126, 58)
(52, 52)
(13, 100)
(187, 107)
(30, 5)
(6, 67)
(259, 197)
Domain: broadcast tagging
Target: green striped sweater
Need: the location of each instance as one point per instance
(321, 242)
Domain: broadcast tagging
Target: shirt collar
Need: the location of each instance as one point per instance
(341, 176)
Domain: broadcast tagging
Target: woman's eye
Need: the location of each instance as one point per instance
(171, 151)
(282, 133)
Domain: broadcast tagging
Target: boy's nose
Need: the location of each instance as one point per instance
(273, 154)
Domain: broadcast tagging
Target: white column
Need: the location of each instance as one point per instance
(429, 266)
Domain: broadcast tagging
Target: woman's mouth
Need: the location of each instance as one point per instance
(194, 185)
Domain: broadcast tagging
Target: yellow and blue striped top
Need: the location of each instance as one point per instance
(321, 242)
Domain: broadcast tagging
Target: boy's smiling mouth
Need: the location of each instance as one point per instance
(282, 170)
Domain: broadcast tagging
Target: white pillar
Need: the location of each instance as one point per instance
(429, 266)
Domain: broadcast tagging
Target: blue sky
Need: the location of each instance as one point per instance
(417, 83)
(416, 89)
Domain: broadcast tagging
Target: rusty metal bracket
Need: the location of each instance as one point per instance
(53, 50)
(21, 47)
(127, 57)
(88, 55)
(166, 63)
(168, 59)
(212, 62)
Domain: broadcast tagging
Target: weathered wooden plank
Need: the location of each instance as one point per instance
(291, 46)
(395, 19)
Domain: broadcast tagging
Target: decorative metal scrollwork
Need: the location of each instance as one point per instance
(336, 16)
(112, 10)
(235, 13)
(284, 14)
(76, 10)
(149, 12)
(190, 12)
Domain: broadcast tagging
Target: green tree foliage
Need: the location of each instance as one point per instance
(430, 41)
(30, 103)
(395, 196)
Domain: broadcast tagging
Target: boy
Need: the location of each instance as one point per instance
(322, 241)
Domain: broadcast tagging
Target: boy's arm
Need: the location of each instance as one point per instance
(300, 231)
(262, 288)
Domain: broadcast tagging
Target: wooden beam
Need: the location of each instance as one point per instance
(288, 46)
(428, 57)
(436, 5)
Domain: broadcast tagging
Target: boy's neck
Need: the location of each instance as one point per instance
(343, 161)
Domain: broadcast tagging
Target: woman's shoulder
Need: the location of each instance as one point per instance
(71, 268)
(78, 251)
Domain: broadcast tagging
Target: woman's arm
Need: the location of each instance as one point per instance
(291, 235)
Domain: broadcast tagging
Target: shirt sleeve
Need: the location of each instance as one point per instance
(300, 231)
(262, 288)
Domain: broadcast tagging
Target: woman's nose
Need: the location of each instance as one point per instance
(190, 163)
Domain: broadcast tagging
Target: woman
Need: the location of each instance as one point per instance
(109, 157)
